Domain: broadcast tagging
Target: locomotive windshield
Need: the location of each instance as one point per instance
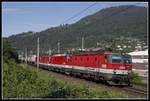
(121, 59)
(127, 59)
(116, 59)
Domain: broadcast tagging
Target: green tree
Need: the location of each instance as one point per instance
(8, 51)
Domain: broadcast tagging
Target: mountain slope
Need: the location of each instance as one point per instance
(104, 27)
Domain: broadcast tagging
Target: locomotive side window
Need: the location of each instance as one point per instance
(87, 58)
(81, 59)
(105, 58)
(95, 58)
(75, 59)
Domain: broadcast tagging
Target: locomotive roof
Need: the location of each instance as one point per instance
(109, 53)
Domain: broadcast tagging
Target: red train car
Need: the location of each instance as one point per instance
(112, 68)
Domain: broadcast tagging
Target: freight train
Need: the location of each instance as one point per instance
(113, 68)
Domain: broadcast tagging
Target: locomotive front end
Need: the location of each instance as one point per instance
(122, 68)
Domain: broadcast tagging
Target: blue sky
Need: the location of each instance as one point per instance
(20, 17)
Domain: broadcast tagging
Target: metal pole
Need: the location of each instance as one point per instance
(26, 55)
(58, 47)
(82, 43)
(49, 54)
(22, 56)
(37, 53)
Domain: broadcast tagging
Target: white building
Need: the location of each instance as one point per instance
(139, 56)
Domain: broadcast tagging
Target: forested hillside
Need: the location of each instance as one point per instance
(121, 25)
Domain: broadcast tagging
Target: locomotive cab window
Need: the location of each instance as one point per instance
(123, 59)
(116, 59)
(127, 59)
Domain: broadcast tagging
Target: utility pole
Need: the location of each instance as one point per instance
(58, 44)
(37, 53)
(82, 43)
(50, 52)
(22, 53)
(26, 55)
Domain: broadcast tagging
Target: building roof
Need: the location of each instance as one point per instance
(139, 52)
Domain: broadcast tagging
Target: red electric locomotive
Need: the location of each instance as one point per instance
(110, 67)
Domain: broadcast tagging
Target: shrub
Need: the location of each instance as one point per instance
(135, 78)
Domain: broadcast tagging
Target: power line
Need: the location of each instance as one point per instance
(79, 13)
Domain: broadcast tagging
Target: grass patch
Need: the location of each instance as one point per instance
(136, 79)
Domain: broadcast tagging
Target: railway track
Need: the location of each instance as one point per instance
(132, 92)
(136, 90)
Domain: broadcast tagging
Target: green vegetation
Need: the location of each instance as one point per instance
(8, 51)
(135, 78)
(20, 81)
(120, 29)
